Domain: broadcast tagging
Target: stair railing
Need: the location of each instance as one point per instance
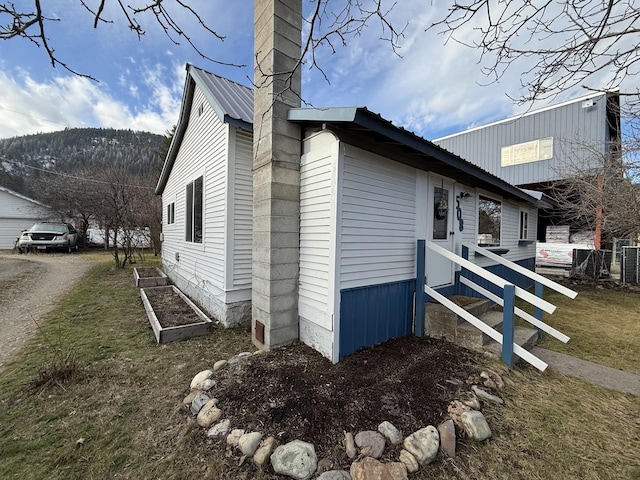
(509, 290)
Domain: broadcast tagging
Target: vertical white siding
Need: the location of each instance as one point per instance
(203, 152)
(317, 226)
(243, 210)
(378, 214)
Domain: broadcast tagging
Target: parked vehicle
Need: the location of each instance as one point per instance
(49, 236)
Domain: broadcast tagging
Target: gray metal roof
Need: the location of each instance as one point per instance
(231, 101)
(370, 131)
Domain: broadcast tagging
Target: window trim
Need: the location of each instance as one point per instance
(496, 200)
(191, 206)
(523, 213)
(171, 213)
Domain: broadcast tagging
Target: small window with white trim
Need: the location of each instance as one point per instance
(489, 222)
(194, 203)
(171, 213)
(524, 225)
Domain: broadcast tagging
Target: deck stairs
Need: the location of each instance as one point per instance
(440, 322)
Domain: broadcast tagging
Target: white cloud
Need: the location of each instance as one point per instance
(29, 106)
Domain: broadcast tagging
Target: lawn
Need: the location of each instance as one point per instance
(120, 413)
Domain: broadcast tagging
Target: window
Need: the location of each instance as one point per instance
(440, 213)
(524, 225)
(489, 222)
(171, 213)
(194, 202)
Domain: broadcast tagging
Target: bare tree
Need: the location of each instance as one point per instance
(588, 43)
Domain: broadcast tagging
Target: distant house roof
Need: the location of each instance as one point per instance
(23, 197)
(365, 129)
(231, 101)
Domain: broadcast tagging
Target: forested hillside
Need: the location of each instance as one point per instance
(73, 150)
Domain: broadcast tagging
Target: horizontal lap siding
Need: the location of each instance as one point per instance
(243, 210)
(202, 152)
(378, 221)
(316, 229)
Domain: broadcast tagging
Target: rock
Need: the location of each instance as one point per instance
(261, 457)
(335, 475)
(472, 402)
(234, 437)
(219, 429)
(189, 398)
(447, 431)
(493, 377)
(390, 432)
(410, 462)
(455, 410)
(350, 445)
(237, 358)
(203, 381)
(248, 443)
(209, 414)
(219, 364)
(371, 469)
(198, 402)
(484, 395)
(475, 425)
(370, 443)
(489, 383)
(324, 465)
(296, 459)
(423, 444)
(259, 352)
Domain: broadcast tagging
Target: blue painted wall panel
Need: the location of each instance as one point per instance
(375, 314)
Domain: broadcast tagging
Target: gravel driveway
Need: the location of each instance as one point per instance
(30, 285)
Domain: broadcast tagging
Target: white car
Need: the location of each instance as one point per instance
(49, 236)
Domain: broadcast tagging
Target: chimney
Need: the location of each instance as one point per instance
(276, 173)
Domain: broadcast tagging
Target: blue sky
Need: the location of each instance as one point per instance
(432, 89)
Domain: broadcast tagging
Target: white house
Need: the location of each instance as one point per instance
(17, 213)
(368, 191)
(207, 197)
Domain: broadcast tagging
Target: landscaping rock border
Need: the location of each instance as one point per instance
(297, 459)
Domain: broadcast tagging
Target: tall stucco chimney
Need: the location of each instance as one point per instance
(276, 173)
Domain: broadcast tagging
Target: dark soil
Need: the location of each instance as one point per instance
(295, 393)
(170, 309)
(148, 272)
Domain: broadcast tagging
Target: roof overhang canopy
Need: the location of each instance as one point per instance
(369, 131)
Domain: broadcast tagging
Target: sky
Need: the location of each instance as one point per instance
(428, 87)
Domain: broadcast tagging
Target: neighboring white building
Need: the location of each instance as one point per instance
(368, 192)
(17, 213)
(207, 198)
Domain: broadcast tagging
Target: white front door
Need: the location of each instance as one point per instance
(440, 208)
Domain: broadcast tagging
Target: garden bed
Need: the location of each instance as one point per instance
(172, 315)
(149, 277)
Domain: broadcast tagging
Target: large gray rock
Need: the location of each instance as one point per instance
(262, 455)
(350, 445)
(237, 358)
(295, 459)
(475, 425)
(335, 475)
(219, 364)
(370, 443)
(391, 433)
(219, 429)
(198, 402)
(423, 444)
(248, 443)
(203, 381)
(484, 395)
(447, 431)
(371, 469)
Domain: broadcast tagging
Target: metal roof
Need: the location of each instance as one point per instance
(231, 101)
(23, 197)
(368, 130)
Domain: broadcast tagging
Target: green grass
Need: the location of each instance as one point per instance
(604, 326)
(124, 401)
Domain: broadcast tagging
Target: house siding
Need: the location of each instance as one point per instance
(378, 215)
(17, 214)
(243, 210)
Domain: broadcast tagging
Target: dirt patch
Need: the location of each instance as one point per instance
(295, 393)
(147, 272)
(170, 309)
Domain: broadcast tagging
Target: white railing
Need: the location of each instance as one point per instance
(507, 302)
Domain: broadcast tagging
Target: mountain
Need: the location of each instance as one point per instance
(75, 149)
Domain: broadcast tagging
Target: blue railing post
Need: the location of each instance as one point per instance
(507, 324)
(420, 295)
(537, 311)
